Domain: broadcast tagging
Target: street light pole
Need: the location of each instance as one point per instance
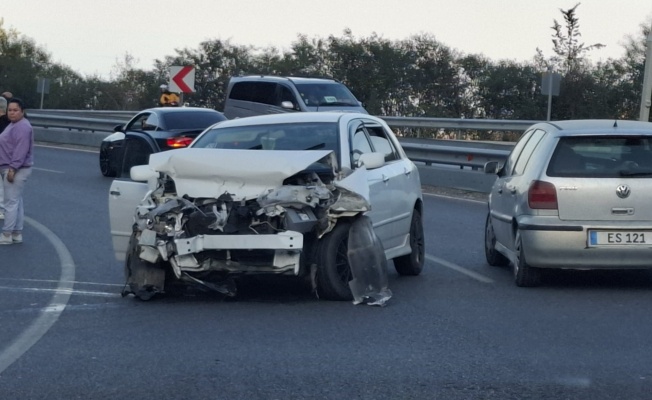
(646, 96)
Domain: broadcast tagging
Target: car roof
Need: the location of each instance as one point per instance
(166, 110)
(285, 118)
(598, 127)
(271, 78)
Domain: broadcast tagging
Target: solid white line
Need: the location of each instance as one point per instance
(75, 292)
(51, 280)
(64, 147)
(50, 313)
(48, 170)
(459, 269)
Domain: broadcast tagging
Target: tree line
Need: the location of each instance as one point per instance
(418, 76)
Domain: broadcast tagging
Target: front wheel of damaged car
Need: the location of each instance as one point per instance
(412, 264)
(143, 279)
(333, 270)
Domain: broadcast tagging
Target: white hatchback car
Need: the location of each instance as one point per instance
(573, 194)
(329, 196)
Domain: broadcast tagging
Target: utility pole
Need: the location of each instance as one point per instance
(646, 96)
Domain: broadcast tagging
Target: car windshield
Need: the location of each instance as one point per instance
(191, 120)
(326, 94)
(290, 136)
(602, 157)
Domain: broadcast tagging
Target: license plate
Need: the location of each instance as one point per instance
(620, 238)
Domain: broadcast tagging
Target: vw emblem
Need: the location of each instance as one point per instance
(623, 191)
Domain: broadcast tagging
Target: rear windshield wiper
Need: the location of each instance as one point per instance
(635, 173)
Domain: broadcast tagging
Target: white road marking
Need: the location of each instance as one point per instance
(459, 269)
(51, 280)
(48, 170)
(50, 313)
(62, 146)
(455, 198)
(68, 291)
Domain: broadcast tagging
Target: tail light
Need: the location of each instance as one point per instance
(542, 196)
(177, 142)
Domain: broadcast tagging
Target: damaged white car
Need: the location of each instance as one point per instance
(327, 196)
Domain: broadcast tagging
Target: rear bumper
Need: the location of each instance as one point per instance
(550, 245)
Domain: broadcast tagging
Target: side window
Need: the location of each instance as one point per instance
(241, 91)
(513, 156)
(359, 145)
(151, 123)
(264, 92)
(381, 142)
(259, 92)
(285, 94)
(136, 152)
(531, 144)
(137, 123)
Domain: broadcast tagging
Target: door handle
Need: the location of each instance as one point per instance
(407, 171)
(114, 193)
(385, 178)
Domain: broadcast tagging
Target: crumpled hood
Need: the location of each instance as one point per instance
(245, 174)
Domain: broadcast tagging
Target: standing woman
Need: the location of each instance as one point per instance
(16, 160)
(4, 122)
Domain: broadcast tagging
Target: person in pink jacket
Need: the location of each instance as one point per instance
(16, 161)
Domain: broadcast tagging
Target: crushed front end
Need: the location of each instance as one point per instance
(201, 225)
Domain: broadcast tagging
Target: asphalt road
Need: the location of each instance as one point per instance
(461, 330)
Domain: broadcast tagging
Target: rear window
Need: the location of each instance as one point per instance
(195, 120)
(602, 157)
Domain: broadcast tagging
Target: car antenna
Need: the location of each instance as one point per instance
(616, 124)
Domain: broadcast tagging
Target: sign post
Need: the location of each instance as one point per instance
(646, 94)
(550, 86)
(43, 87)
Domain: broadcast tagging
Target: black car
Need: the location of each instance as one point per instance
(151, 131)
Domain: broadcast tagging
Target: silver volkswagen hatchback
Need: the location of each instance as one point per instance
(573, 194)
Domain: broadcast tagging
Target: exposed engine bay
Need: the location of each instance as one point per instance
(196, 226)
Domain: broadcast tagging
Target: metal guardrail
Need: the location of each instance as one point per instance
(461, 124)
(88, 128)
(94, 114)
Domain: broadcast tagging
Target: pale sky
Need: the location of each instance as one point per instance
(90, 36)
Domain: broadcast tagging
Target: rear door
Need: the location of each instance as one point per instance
(511, 185)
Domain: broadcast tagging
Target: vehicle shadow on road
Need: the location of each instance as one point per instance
(596, 279)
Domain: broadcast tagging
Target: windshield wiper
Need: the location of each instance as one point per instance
(317, 146)
(336, 103)
(635, 173)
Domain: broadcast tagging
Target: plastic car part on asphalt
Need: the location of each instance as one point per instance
(368, 265)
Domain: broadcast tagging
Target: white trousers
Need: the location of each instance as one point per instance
(13, 200)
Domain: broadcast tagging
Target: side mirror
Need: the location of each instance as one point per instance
(288, 105)
(372, 160)
(142, 173)
(491, 167)
(119, 128)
